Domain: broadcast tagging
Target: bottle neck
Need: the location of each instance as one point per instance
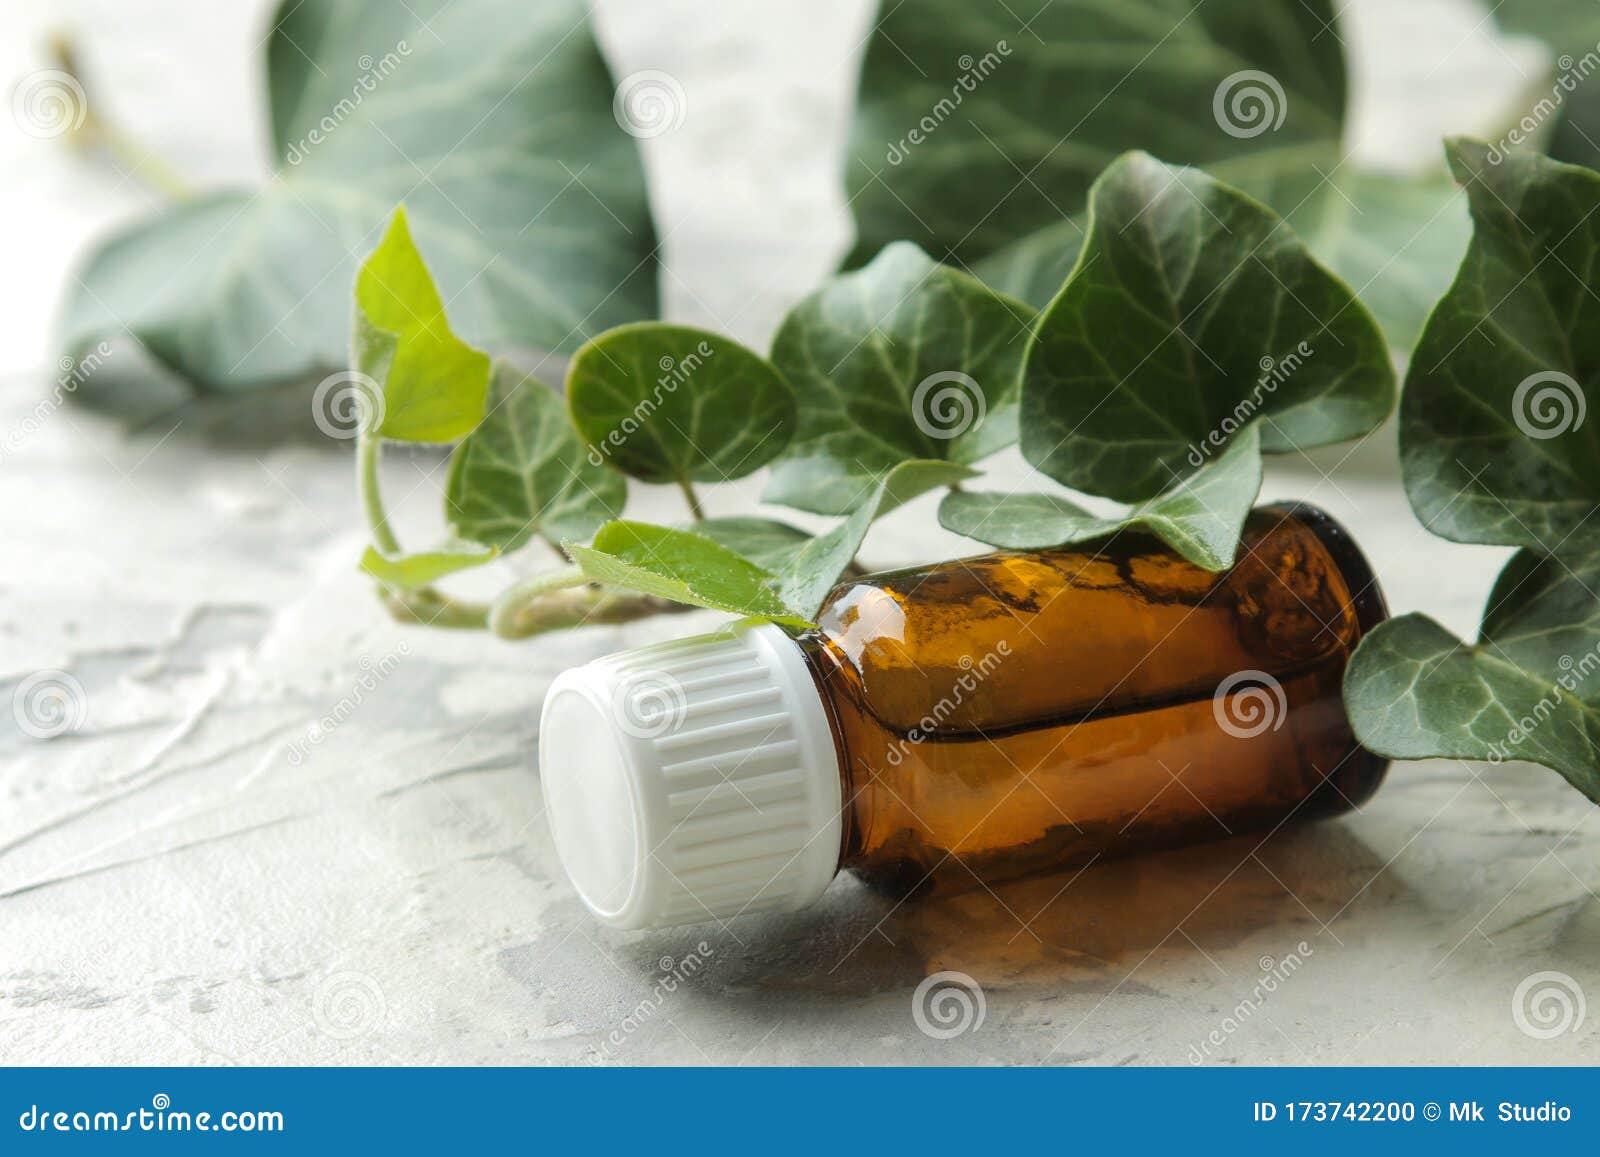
(840, 691)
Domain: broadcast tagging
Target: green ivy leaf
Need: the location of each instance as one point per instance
(1395, 240)
(764, 541)
(1494, 441)
(1001, 178)
(433, 384)
(904, 359)
(491, 120)
(1201, 518)
(669, 403)
(684, 567)
(1192, 312)
(693, 568)
(805, 580)
(1494, 449)
(524, 471)
(410, 572)
(1019, 110)
(1529, 689)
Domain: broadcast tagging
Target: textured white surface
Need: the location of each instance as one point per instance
(199, 874)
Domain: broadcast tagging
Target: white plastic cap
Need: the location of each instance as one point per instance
(692, 780)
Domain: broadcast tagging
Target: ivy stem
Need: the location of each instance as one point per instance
(94, 128)
(696, 511)
(429, 608)
(565, 598)
(511, 604)
(368, 448)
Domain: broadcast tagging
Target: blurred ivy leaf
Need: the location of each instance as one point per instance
(684, 567)
(787, 587)
(670, 403)
(1193, 312)
(1494, 442)
(978, 125)
(1012, 139)
(1395, 240)
(903, 359)
(491, 120)
(524, 471)
(432, 384)
(1201, 518)
(410, 572)
(1529, 689)
(1566, 115)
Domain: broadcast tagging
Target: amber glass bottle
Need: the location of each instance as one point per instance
(971, 721)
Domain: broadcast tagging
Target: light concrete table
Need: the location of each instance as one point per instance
(202, 872)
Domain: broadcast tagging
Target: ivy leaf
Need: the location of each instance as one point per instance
(433, 384)
(805, 580)
(1529, 689)
(684, 567)
(1395, 240)
(764, 541)
(493, 121)
(1201, 518)
(524, 471)
(1012, 138)
(689, 567)
(1017, 111)
(1494, 443)
(669, 403)
(904, 359)
(410, 572)
(1494, 450)
(1192, 312)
